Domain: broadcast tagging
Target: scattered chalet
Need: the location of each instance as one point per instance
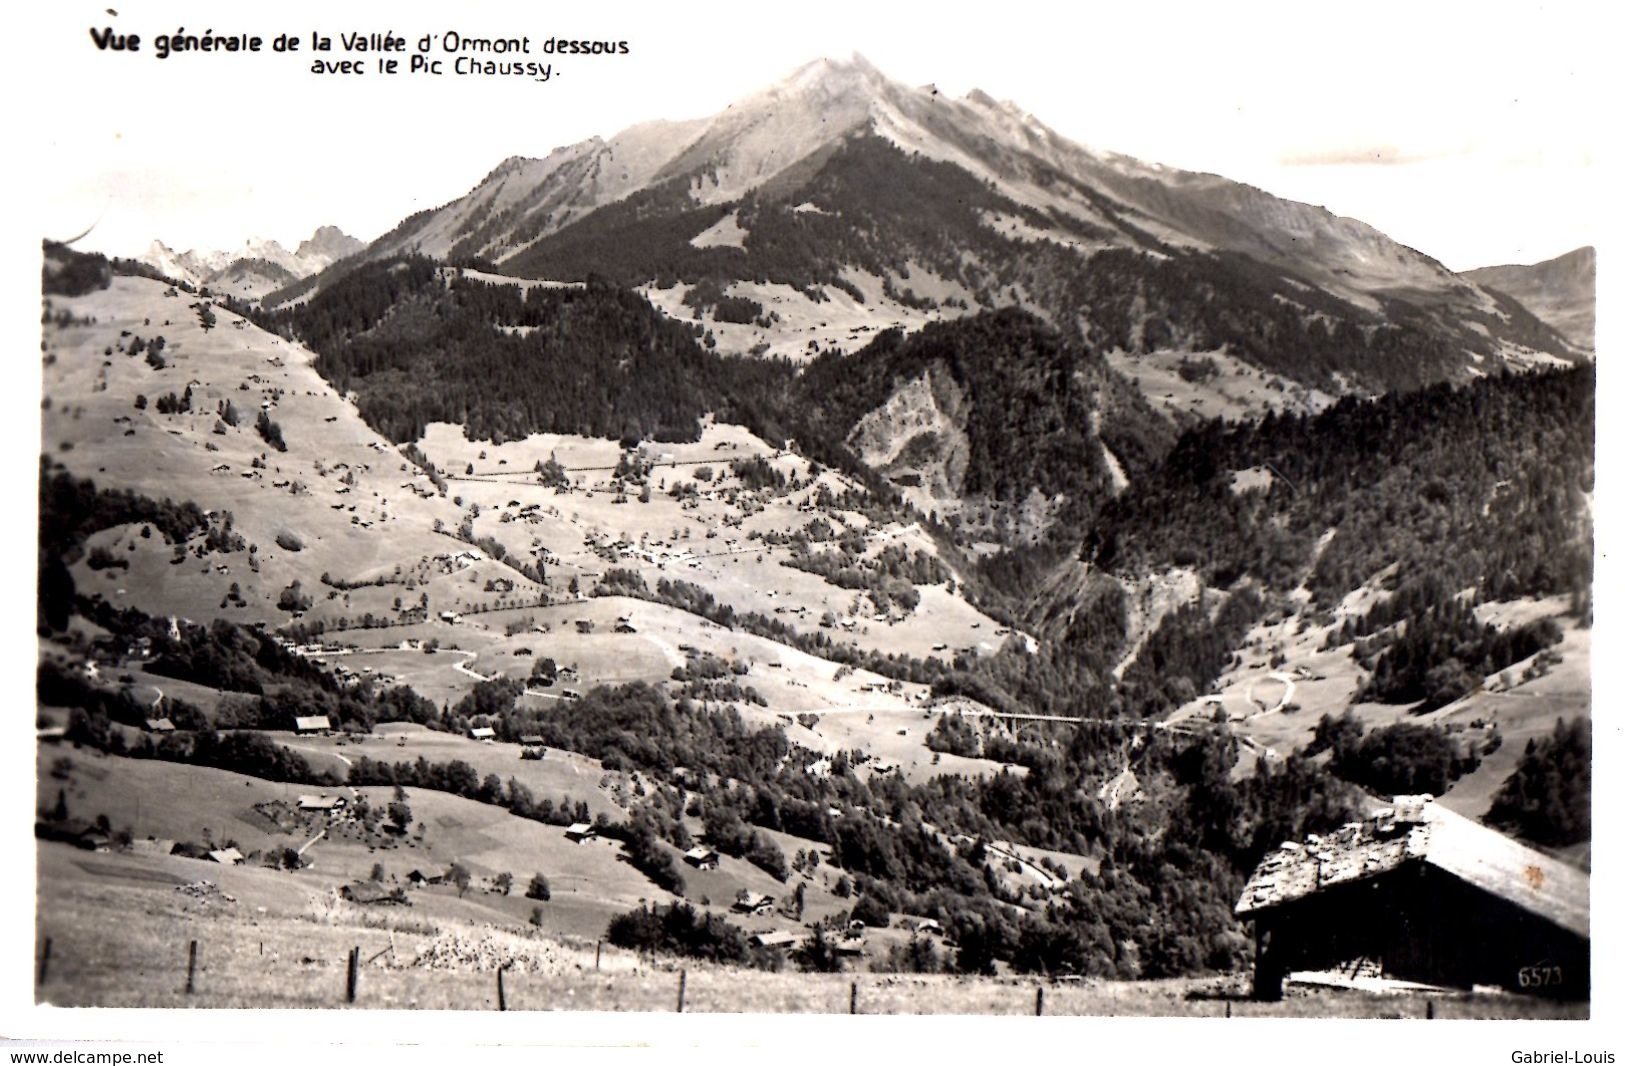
(373, 892)
(159, 725)
(702, 858)
(322, 804)
(315, 723)
(483, 732)
(1419, 893)
(580, 832)
(748, 902)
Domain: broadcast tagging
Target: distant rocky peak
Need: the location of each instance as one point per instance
(331, 242)
(326, 246)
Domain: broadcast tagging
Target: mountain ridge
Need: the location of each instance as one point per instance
(259, 260)
(764, 134)
(1561, 290)
(922, 207)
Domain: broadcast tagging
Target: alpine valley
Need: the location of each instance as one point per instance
(982, 548)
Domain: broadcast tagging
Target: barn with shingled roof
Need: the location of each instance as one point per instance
(1419, 893)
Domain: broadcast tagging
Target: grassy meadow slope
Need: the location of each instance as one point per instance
(343, 504)
(339, 492)
(273, 946)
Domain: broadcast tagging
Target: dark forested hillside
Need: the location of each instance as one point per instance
(70, 273)
(1033, 401)
(1481, 487)
(1548, 797)
(418, 346)
(1485, 484)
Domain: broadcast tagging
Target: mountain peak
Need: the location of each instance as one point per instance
(839, 86)
(328, 243)
(834, 76)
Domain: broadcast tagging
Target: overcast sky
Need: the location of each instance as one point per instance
(1467, 131)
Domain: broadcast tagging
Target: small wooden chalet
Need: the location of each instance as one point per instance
(1416, 892)
(748, 902)
(702, 858)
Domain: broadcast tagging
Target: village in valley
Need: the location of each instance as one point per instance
(903, 650)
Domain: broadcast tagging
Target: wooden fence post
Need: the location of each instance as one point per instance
(354, 976)
(1038, 1008)
(853, 1007)
(45, 961)
(598, 956)
(682, 989)
(502, 992)
(191, 967)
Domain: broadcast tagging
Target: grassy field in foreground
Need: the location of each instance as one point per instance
(120, 933)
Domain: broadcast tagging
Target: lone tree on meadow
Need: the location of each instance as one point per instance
(293, 598)
(400, 813)
(270, 432)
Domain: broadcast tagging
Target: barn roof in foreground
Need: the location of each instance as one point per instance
(1416, 829)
